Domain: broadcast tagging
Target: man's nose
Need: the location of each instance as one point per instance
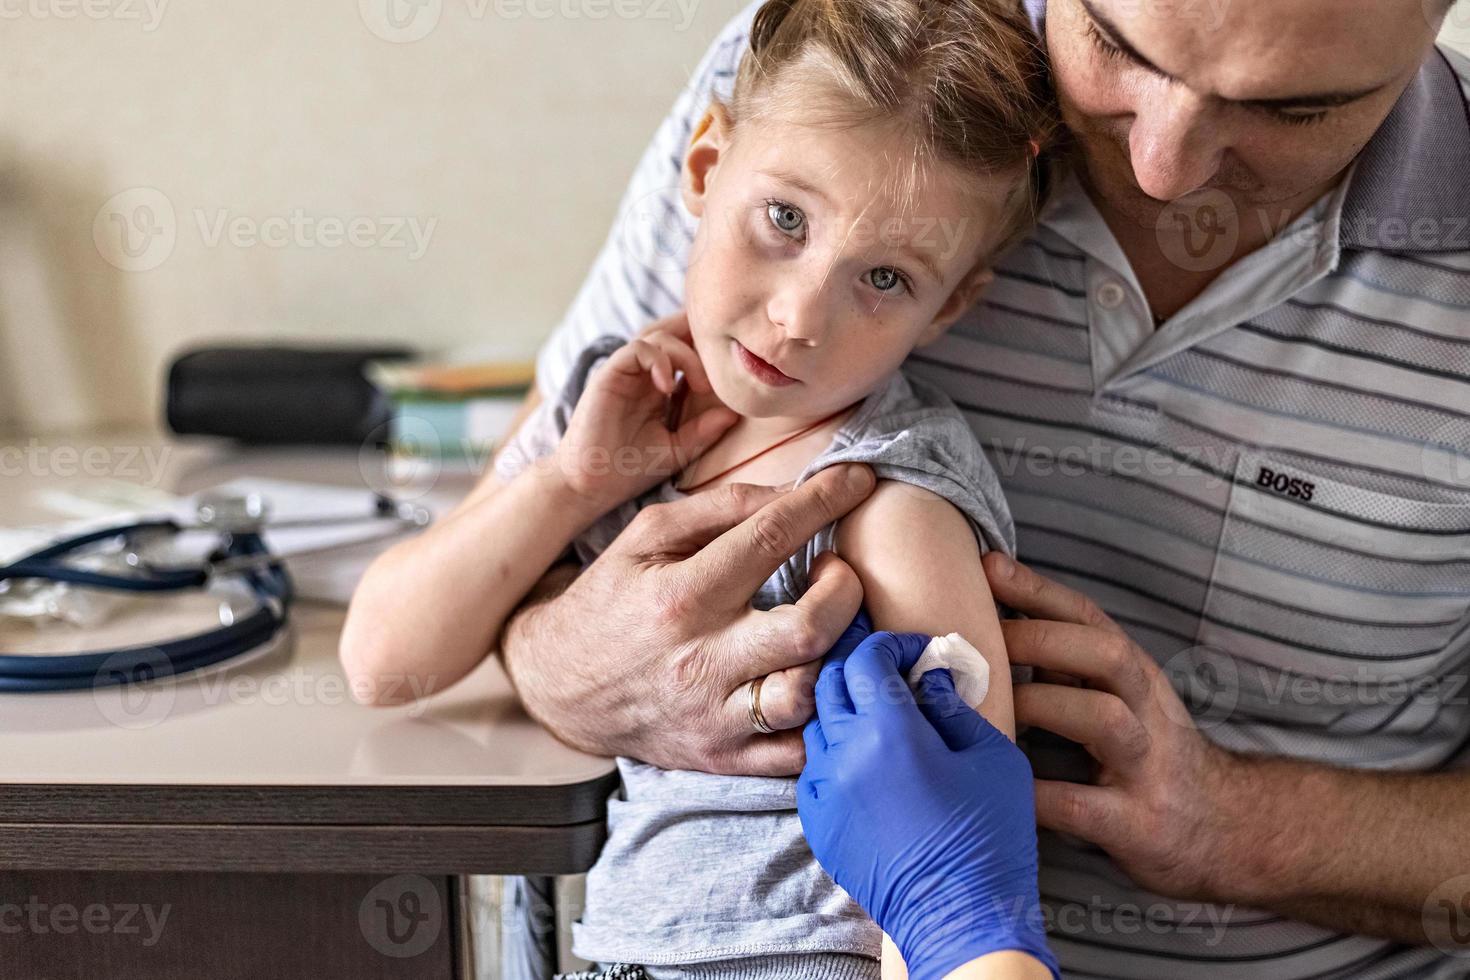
(1176, 144)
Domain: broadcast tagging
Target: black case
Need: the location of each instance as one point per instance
(279, 395)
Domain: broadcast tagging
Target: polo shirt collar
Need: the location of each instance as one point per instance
(1411, 190)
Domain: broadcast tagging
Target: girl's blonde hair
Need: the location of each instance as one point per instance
(968, 78)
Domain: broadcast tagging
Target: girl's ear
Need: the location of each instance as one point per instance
(711, 138)
(960, 300)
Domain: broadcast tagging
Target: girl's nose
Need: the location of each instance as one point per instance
(1176, 143)
(798, 308)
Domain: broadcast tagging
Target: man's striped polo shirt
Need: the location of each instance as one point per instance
(1271, 490)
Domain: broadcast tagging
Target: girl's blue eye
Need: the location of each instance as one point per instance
(884, 279)
(787, 219)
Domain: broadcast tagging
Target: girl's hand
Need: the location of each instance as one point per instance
(616, 446)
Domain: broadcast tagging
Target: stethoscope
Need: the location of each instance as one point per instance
(240, 522)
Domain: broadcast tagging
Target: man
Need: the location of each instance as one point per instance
(1227, 386)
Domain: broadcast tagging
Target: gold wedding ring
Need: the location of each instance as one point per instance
(758, 720)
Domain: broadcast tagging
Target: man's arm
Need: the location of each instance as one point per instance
(1367, 852)
(1358, 851)
(647, 651)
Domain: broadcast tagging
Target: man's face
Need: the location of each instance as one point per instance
(1266, 101)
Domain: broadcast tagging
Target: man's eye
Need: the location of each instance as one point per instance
(1300, 118)
(787, 219)
(1108, 48)
(884, 279)
(1112, 52)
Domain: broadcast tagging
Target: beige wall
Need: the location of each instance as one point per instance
(502, 135)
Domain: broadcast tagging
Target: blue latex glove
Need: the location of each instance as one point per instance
(921, 810)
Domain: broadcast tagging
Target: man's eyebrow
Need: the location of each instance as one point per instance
(1324, 100)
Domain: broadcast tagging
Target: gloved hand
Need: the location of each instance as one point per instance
(920, 809)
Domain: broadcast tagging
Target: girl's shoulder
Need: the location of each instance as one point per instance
(907, 414)
(909, 430)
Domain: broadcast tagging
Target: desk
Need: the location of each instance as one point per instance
(268, 777)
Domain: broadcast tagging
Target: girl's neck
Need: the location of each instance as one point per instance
(767, 430)
(771, 450)
(775, 428)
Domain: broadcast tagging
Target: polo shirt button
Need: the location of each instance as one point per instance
(1110, 295)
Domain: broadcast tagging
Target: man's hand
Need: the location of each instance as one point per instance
(1187, 819)
(1164, 797)
(647, 652)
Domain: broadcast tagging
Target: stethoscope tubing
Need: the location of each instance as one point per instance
(44, 564)
(36, 673)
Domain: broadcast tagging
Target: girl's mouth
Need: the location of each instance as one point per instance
(762, 371)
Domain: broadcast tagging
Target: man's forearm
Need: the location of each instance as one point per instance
(1347, 849)
(531, 656)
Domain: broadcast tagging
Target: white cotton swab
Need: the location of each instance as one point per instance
(970, 670)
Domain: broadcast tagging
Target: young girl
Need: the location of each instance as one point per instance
(873, 157)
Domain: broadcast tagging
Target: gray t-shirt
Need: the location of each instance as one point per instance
(701, 867)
